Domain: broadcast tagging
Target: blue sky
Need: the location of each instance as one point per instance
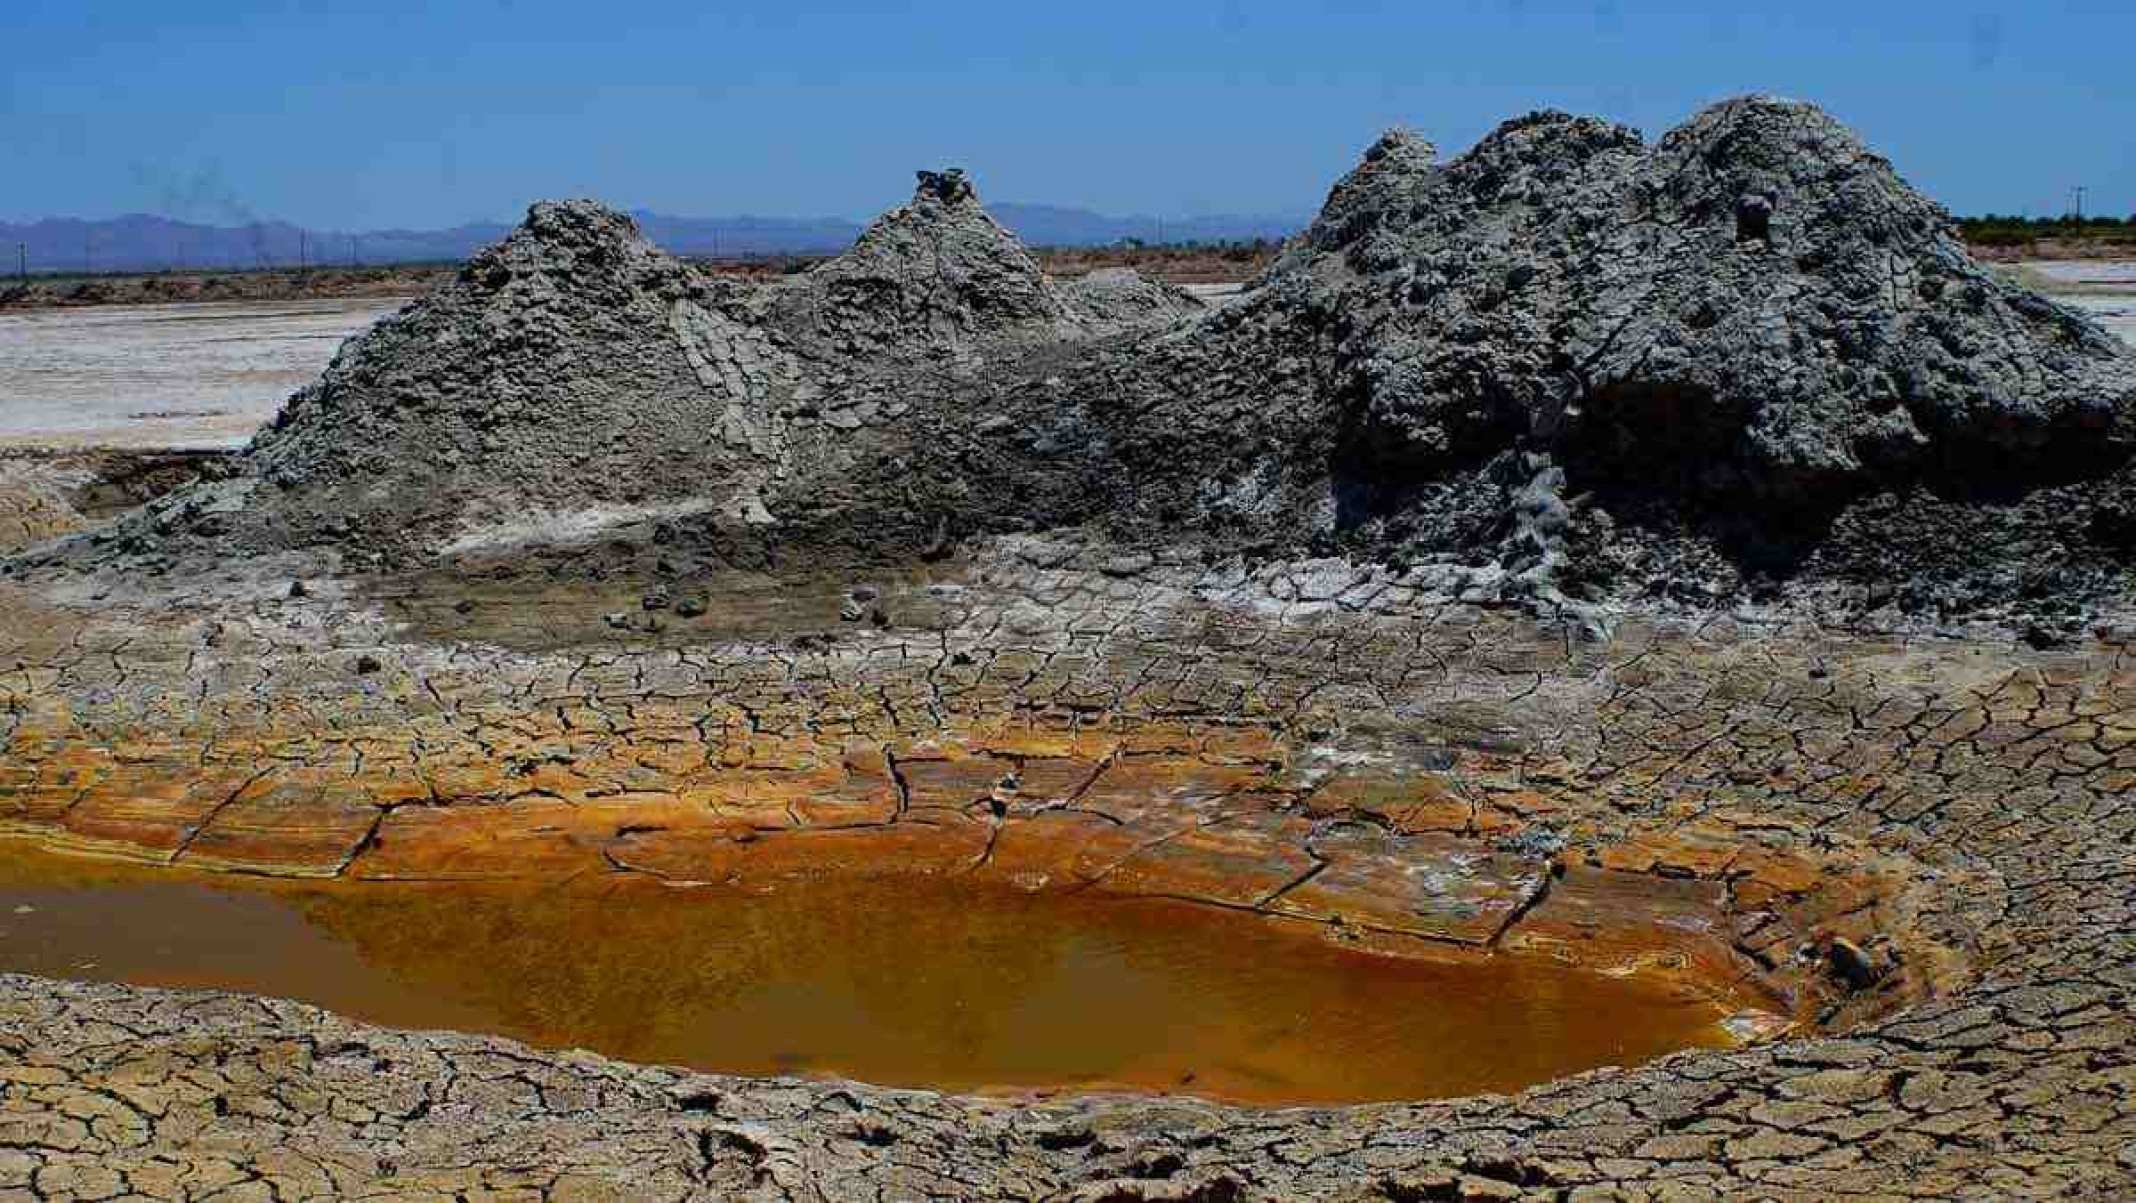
(341, 113)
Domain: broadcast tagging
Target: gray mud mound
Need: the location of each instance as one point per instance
(1755, 305)
(1119, 296)
(575, 381)
(936, 271)
(1565, 366)
(939, 274)
(1749, 359)
(1732, 337)
(570, 373)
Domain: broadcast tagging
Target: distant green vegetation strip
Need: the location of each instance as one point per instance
(1996, 229)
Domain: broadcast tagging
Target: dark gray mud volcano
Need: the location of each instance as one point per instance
(1747, 361)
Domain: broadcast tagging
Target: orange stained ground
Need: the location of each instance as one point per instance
(897, 981)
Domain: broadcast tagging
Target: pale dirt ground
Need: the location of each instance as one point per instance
(1214, 294)
(2112, 272)
(2107, 288)
(180, 376)
(2116, 313)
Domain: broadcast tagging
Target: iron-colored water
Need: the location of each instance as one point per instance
(892, 981)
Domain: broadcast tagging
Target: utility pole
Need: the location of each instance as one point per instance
(2079, 193)
(22, 261)
(303, 252)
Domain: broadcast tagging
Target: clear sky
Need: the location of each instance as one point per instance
(354, 114)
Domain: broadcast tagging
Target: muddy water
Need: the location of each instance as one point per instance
(898, 983)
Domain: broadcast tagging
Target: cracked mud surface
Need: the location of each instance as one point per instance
(1956, 811)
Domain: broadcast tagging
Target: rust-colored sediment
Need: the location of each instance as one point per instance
(1410, 863)
(1906, 847)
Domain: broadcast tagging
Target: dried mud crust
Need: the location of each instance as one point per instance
(1923, 839)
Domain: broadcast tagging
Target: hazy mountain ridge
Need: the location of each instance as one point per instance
(147, 242)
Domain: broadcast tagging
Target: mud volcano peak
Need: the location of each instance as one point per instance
(564, 226)
(571, 249)
(1374, 191)
(543, 380)
(949, 186)
(936, 270)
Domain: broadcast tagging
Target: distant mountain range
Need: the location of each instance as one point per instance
(143, 242)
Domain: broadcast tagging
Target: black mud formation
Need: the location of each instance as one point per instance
(1746, 362)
